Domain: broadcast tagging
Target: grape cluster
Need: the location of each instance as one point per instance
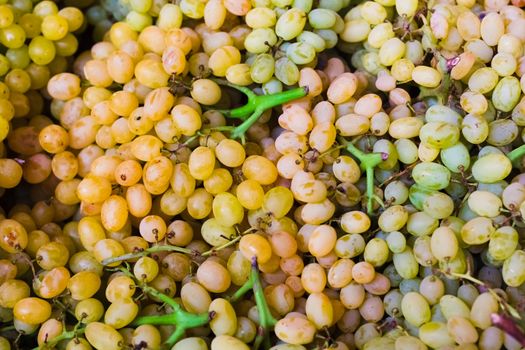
(36, 43)
(264, 174)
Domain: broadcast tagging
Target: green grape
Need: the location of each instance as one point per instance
(396, 192)
(262, 68)
(439, 134)
(491, 168)
(406, 150)
(290, 24)
(376, 252)
(227, 209)
(260, 40)
(329, 36)
(502, 132)
(138, 21)
(485, 203)
(406, 264)
(430, 175)
(513, 270)
(415, 309)
(456, 157)
(286, 71)
(313, 39)
(13, 36)
(18, 58)
(421, 224)
(278, 201)
(438, 205)
(4, 128)
(435, 335)
(300, 53)
(41, 50)
(321, 18)
(396, 242)
(216, 234)
(503, 242)
(440, 113)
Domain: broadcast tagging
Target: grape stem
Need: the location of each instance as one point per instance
(145, 252)
(168, 248)
(516, 154)
(63, 336)
(266, 320)
(256, 105)
(368, 163)
(181, 319)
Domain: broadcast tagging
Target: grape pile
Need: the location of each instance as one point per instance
(262, 174)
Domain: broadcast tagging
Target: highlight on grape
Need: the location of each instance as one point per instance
(262, 174)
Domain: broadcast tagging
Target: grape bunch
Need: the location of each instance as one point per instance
(264, 174)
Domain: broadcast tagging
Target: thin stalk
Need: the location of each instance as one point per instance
(148, 251)
(516, 154)
(225, 245)
(368, 163)
(64, 336)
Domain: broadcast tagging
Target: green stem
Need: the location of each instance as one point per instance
(245, 288)
(7, 328)
(65, 335)
(516, 154)
(179, 318)
(266, 320)
(154, 249)
(368, 163)
(225, 245)
(256, 105)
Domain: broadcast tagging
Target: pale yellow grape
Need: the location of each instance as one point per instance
(473, 102)
(295, 330)
(349, 246)
(355, 222)
(504, 63)
(380, 34)
(506, 94)
(483, 80)
(355, 30)
(435, 335)
(352, 124)
(444, 243)
(514, 269)
(406, 264)
(194, 343)
(393, 218)
(477, 230)
(392, 50)
(227, 209)
(492, 28)
(322, 240)
(485, 203)
(406, 8)
(103, 337)
(290, 24)
(406, 128)
(225, 320)
(319, 310)
(120, 313)
(426, 76)
(484, 305)
(491, 168)
(261, 17)
(415, 309)
(462, 330)
(503, 242)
